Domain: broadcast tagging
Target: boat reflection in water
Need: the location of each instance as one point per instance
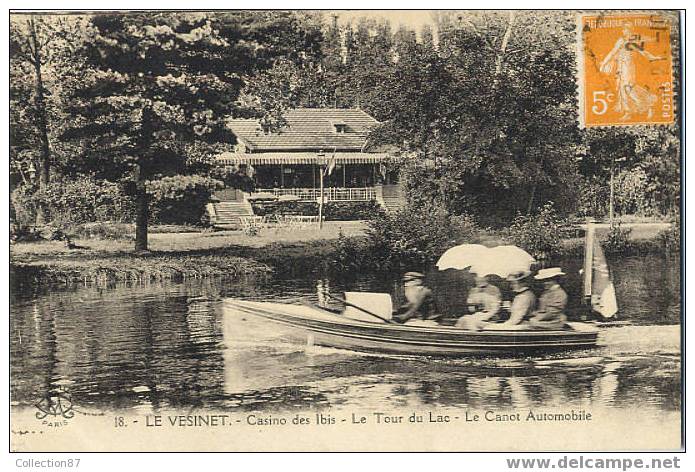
(260, 356)
(168, 346)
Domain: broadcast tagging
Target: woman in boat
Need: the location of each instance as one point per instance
(485, 300)
(419, 300)
(552, 303)
(524, 299)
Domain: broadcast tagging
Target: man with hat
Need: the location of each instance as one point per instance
(419, 300)
(552, 303)
(524, 299)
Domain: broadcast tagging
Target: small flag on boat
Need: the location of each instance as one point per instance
(602, 289)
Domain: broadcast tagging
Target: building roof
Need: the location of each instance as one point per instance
(308, 129)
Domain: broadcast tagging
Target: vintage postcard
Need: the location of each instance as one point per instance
(350, 230)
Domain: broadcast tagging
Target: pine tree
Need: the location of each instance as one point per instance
(157, 90)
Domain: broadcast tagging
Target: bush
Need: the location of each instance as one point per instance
(630, 193)
(24, 233)
(617, 240)
(414, 236)
(333, 211)
(593, 199)
(348, 254)
(23, 207)
(670, 239)
(539, 234)
(232, 178)
(68, 204)
(71, 202)
(633, 195)
(180, 199)
(420, 185)
(465, 229)
(350, 211)
(104, 230)
(291, 207)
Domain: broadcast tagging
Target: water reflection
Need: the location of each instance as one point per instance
(163, 346)
(379, 382)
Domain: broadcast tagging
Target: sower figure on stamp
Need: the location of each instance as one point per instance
(632, 97)
(552, 303)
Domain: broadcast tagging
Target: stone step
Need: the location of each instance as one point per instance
(232, 213)
(391, 203)
(228, 214)
(391, 197)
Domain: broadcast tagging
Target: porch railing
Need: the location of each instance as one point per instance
(330, 193)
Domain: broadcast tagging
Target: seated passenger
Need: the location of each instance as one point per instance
(419, 300)
(552, 303)
(485, 300)
(524, 299)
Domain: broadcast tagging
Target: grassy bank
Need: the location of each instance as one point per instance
(177, 256)
(93, 267)
(646, 238)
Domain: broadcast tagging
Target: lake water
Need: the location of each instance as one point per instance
(165, 346)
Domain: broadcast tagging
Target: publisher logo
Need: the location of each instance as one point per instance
(57, 404)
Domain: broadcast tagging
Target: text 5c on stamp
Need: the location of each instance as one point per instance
(625, 75)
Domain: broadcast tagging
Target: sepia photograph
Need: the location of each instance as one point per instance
(346, 230)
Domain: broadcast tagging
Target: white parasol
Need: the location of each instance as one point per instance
(500, 260)
(462, 256)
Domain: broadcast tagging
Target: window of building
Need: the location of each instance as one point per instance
(339, 126)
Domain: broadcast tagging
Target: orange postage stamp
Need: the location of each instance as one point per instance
(625, 70)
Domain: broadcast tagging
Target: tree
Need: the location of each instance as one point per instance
(157, 90)
(659, 154)
(342, 68)
(653, 153)
(289, 71)
(41, 57)
(479, 107)
(29, 47)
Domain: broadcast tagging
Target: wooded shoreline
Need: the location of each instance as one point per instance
(181, 256)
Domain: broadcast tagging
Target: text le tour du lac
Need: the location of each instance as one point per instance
(372, 418)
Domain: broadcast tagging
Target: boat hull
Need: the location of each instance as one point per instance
(315, 326)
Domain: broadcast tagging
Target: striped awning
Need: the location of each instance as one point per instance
(261, 158)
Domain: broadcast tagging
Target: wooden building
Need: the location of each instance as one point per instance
(288, 162)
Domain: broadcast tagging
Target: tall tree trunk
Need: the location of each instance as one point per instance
(142, 208)
(534, 188)
(531, 198)
(142, 211)
(40, 101)
(503, 48)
